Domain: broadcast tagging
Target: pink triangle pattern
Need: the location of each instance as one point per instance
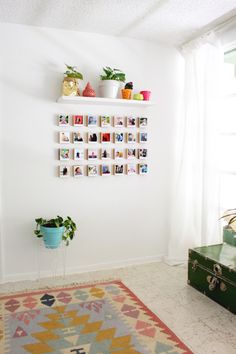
(119, 298)
(19, 332)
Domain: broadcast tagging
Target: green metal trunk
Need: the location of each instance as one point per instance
(212, 270)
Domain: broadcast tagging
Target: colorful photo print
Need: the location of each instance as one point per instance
(105, 137)
(105, 170)
(106, 154)
(64, 171)
(131, 153)
(93, 137)
(92, 170)
(131, 122)
(142, 122)
(78, 138)
(118, 153)
(64, 154)
(142, 154)
(119, 137)
(142, 137)
(143, 168)
(78, 154)
(78, 120)
(131, 138)
(92, 121)
(78, 171)
(92, 154)
(64, 137)
(131, 169)
(63, 121)
(119, 170)
(119, 122)
(105, 121)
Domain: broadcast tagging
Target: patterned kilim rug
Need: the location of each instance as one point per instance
(90, 319)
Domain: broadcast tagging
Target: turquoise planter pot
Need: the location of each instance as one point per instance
(52, 236)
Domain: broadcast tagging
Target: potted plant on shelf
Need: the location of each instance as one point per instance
(70, 82)
(55, 230)
(127, 91)
(111, 82)
(229, 230)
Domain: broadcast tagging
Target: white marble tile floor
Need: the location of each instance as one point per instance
(203, 325)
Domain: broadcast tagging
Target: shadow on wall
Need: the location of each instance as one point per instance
(40, 78)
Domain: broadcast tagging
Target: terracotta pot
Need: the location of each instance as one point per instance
(126, 94)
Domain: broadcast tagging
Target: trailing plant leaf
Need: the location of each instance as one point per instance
(69, 227)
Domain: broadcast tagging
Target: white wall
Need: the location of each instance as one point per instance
(121, 219)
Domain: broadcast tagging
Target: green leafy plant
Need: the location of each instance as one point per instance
(113, 74)
(129, 85)
(68, 223)
(72, 72)
(230, 217)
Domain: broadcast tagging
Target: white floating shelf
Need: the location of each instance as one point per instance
(104, 101)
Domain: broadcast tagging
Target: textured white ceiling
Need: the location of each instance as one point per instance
(169, 21)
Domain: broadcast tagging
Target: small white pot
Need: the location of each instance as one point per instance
(109, 88)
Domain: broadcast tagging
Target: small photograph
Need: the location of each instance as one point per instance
(142, 122)
(92, 154)
(118, 137)
(64, 137)
(119, 153)
(142, 137)
(64, 154)
(78, 120)
(131, 138)
(92, 170)
(131, 169)
(131, 154)
(78, 138)
(119, 122)
(142, 154)
(93, 137)
(105, 121)
(143, 168)
(105, 137)
(119, 169)
(92, 121)
(106, 154)
(64, 171)
(105, 170)
(78, 154)
(78, 171)
(63, 121)
(131, 122)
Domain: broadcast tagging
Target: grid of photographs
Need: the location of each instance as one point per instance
(102, 145)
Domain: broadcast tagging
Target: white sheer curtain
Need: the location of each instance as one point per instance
(195, 198)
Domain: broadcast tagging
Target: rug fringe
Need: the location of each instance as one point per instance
(74, 283)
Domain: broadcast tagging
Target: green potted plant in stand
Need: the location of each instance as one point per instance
(111, 82)
(229, 230)
(70, 82)
(55, 230)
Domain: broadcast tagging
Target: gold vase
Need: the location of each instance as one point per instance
(69, 87)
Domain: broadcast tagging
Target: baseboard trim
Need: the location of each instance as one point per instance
(83, 269)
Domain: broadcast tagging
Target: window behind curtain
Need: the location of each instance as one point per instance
(227, 138)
